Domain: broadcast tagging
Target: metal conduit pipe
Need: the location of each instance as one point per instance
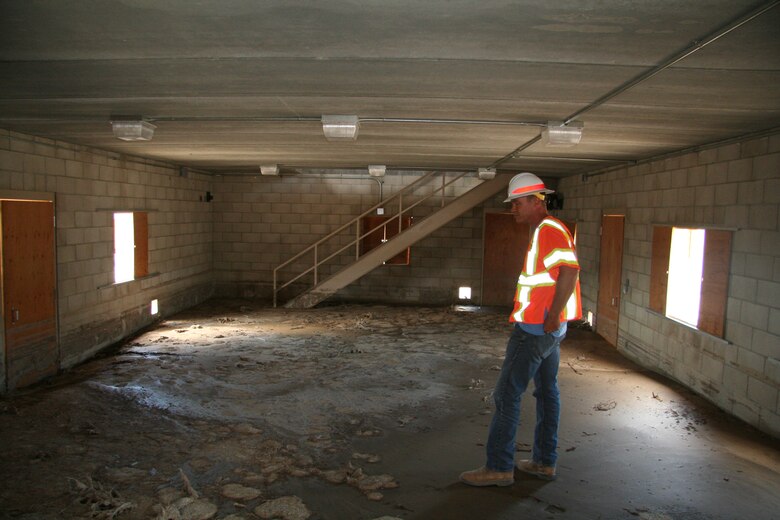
(449, 121)
(694, 47)
(155, 119)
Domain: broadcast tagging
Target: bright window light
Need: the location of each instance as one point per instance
(124, 248)
(153, 308)
(590, 318)
(464, 293)
(686, 264)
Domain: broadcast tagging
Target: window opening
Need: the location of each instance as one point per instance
(131, 241)
(689, 275)
(686, 262)
(124, 248)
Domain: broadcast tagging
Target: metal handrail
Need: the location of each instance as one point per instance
(315, 247)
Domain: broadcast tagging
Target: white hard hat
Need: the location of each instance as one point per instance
(524, 184)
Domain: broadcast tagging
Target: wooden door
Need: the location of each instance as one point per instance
(384, 228)
(29, 291)
(610, 269)
(505, 245)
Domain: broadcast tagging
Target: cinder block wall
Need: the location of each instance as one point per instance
(88, 186)
(734, 186)
(261, 221)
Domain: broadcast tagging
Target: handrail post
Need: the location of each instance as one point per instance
(274, 288)
(316, 264)
(357, 239)
(443, 178)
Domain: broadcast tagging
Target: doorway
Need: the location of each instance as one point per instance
(610, 275)
(28, 282)
(505, 245)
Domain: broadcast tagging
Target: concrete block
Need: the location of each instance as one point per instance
(756, 316)
(759, 266)
(717, 173)
(708, 156)
(11, 161)
(730, 152)
(736, 216)
(679, 178)
(772, 371)
(755, 147)
(769, 294)
(766, 166)
(704, 196)
(763, 394)
(763, 216)
(766, 344)
(743, 287)
(774, 143)
(726, 194)
(771, 191)
(107, 174)
(735, 381)
(740, 170)
(712, 368)
(770, 243)
(750, 362)
(751, 192)
(747, 241)
(746, 410)
(716, 347)
(774, 321)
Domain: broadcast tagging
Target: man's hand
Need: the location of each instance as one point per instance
(552, 322)
(564, 286)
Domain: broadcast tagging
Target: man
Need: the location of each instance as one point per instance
(547, 297)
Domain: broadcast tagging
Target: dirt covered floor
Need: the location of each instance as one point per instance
(233, 410)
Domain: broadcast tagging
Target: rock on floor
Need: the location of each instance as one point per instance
(286, 508)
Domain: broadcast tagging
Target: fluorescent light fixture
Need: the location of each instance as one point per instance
(133, 130)
(269, 169)
(377, 170)
(340, 128)
(486, 173)
(556, 134)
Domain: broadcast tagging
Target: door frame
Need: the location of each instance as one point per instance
(32, 196)
(604, 214)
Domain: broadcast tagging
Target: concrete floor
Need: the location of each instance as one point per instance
(361, 412)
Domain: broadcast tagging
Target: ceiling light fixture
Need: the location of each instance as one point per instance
(486, 174)
(133, 130)
(340, 128)
(558, 134)
(269, 169)
(377, 170)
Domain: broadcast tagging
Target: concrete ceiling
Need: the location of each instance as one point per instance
(211, 73)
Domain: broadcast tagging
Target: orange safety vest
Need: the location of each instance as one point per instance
(551, 247)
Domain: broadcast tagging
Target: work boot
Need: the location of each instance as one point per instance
(538, 470)
(486, 477)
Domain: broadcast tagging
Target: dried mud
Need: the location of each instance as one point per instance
(233, 410)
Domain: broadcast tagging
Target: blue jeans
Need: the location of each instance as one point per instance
(527, 357)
